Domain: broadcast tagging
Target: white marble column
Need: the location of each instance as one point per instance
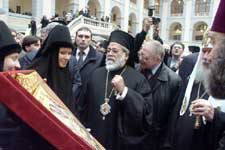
(107, 10)
(140, 14)
(186, 27)
(53, 5)
(82, 4)
(48, 9)
(36, 9)
(4, 5)
(164, 22)
(125, 16)
(75, 6)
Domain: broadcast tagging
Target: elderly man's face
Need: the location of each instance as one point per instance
(214, 62)
(147, 59)
(116, 57)
(209, 54)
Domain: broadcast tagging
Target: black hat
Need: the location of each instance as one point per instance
(126, 40)
(8, 44)
(122, 38)
(59, 36)
(194, 49)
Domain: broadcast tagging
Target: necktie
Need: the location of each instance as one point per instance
(80, 60)
(147, 73)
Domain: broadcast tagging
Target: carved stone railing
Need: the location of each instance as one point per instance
(97, 27)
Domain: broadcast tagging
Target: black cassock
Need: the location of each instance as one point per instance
(183, 136)
(123, 128)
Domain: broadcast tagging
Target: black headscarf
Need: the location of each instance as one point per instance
(46, 63)
(8, 44)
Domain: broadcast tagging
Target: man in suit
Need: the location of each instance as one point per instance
(176, 51)
(84, 61)
(165, 85)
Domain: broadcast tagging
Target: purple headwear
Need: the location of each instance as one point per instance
(219, 20)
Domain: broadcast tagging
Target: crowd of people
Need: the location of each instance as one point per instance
(131, 93)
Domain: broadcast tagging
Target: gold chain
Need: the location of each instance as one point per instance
(106, 85)
(105, 107)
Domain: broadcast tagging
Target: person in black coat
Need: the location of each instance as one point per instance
(183, 132)
(84, 61)
(31, 45)
(117, 105)
(52, 63)
(33, 27)
(165, 85)
(140, 37)
(14, 133)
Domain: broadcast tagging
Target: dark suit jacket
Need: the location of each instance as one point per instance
(181, 133)
(81, 75)
(166, 86)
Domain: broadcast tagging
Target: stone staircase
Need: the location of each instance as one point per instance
(99, 29)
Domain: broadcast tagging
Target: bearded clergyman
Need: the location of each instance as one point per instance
(117, 106)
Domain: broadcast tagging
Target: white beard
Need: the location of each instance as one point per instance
(119, 63)
(201, 73)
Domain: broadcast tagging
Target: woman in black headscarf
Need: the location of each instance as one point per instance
(51, 62)
(14, 133)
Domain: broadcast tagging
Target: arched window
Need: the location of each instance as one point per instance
(199, 30)
(116, 16)
(202, 7)
(133, 1)
(175, 31)
(146, 3)
(177, 8)
(21, 7)
(157, 7)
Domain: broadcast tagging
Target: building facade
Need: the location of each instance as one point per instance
(181, 20)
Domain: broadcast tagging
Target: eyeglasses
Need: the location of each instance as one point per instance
(112, 50)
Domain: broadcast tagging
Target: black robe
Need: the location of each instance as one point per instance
(124, 128)
(181, 134)
(46, 64)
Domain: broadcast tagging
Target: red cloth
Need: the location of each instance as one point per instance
(17, 99)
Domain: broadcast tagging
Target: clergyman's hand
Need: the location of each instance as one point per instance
(118, 83)
(201, 107)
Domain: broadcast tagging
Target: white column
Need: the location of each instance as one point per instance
(81, 4)
(47, 8)
(4, 5)
(187, 34)
(53, 5)
(125, 16)
(164, 22)
(36, 9)
(107, 10)
(75, 6)
(140, 15)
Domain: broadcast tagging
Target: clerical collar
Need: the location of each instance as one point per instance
(86, 51)
(154, 70)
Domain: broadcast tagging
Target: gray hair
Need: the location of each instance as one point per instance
(156, 48)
